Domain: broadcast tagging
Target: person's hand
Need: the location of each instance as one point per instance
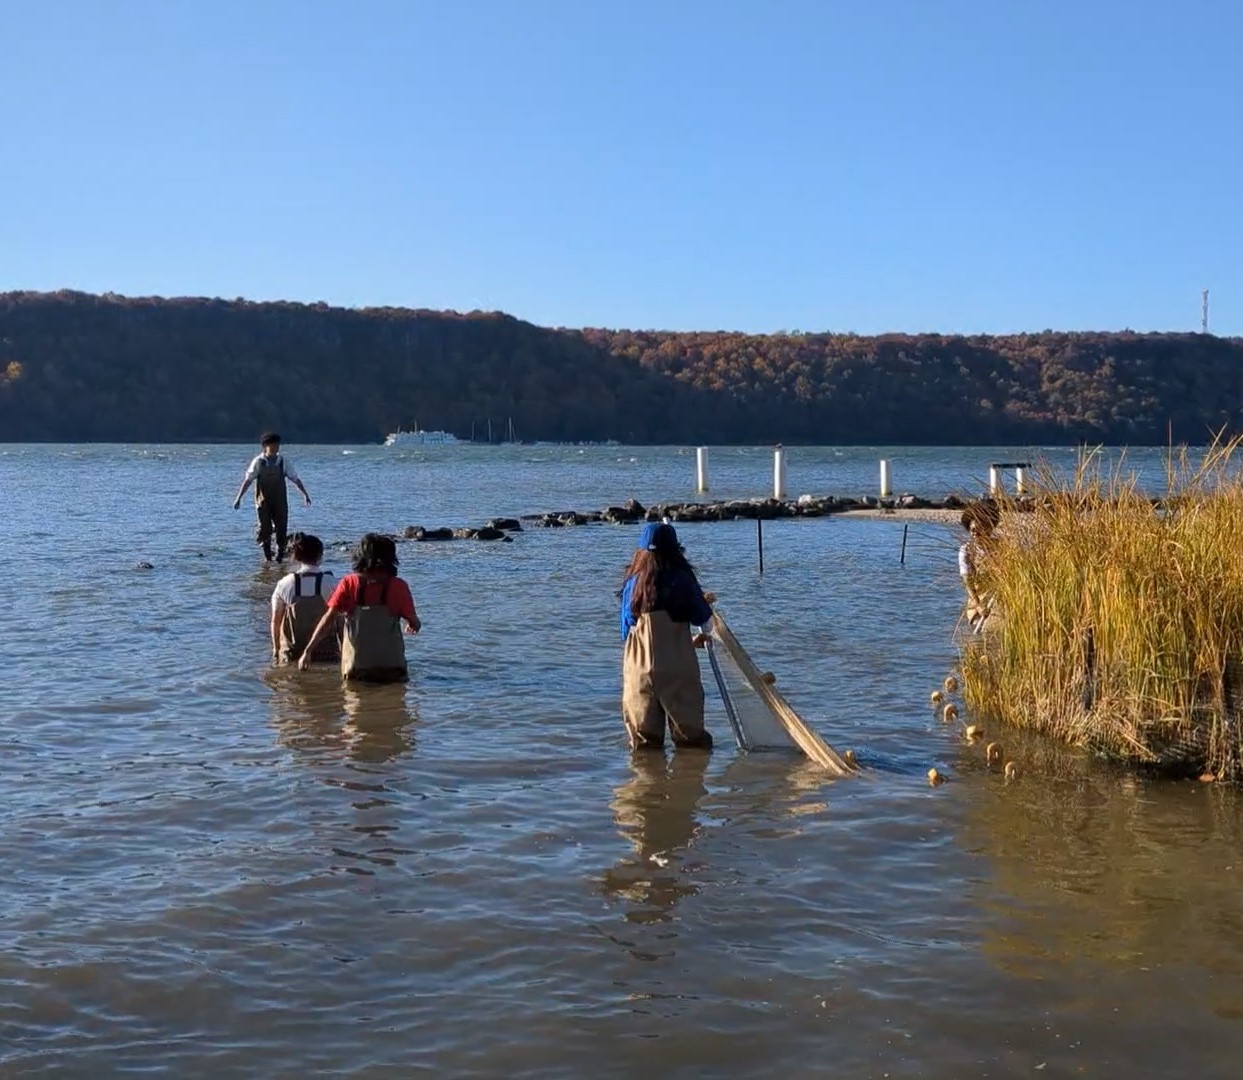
(304, 661)
(306, 499)
(237, 503)
(699, 640)
(709, 598)
(415, 626)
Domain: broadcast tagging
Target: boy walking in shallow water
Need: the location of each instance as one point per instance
(268, 472)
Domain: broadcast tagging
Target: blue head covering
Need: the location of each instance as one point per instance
(656, 535)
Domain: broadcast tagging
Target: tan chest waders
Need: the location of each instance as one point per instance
(299, 622)
(271, 504)
(373, 649)
(660, 683)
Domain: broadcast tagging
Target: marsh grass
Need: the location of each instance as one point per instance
(1118, 623)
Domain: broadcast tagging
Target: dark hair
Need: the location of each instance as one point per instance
(646, 567)
(376, 553)
(983, 513)
(306, 548)
(270, 437)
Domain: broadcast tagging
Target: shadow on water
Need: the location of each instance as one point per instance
(656, 810)
(315, 711)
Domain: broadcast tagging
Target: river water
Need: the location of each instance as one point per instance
(214, 869)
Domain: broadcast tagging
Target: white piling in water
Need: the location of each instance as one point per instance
(994, 480)
(1018, 479)
(701, 469)
(779, 473)
(885, 488)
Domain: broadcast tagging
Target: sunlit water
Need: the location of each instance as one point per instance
(216, 869)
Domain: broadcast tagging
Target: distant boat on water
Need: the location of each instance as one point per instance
(421, 438)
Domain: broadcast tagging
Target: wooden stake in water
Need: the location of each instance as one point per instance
(759, 540)
(902, 558)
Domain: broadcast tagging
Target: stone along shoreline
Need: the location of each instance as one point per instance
(904, 507)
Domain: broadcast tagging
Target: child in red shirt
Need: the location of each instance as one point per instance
(375, 602)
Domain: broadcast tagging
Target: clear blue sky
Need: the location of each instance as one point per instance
(873, 165)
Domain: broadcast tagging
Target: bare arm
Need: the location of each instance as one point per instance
(320, 630)
(291, 474)
(242, 491)
(278, 615)
(705, 629)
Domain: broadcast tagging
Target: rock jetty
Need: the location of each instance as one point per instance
(633, 512)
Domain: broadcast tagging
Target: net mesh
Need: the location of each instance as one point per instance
(755, 727)
(760, 717)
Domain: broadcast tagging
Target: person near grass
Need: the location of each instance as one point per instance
(661, 599)
(980, 519)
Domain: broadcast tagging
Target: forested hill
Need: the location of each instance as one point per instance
(76, 367)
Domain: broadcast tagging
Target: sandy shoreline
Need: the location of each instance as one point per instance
(934, 516)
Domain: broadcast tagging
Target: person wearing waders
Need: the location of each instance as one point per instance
(980, 519)
(299, 601)
(268, 472)
(661, 600)
(374, 602)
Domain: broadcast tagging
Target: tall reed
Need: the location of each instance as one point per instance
(1118, 625)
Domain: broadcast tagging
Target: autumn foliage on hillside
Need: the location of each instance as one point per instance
(1123, 388)
(80, 367)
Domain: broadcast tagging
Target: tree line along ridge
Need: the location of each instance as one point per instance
(82, 367)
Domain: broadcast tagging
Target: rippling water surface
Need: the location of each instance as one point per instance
(219, 869)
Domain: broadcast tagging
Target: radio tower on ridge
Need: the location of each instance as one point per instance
(1204, 312)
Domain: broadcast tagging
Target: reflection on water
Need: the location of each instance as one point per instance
(656, 812)
(1115, 869)
(468, 875)
(773, 787)
(316, 710)
(381, 721)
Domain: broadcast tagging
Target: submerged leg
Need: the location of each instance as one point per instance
(280, 518)
(263, 531)
(683, 705)
(681, 697)
(644, 718)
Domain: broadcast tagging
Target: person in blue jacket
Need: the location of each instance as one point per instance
(661, 600)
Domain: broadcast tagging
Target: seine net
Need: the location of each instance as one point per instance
(760, 717)
(755, 727)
